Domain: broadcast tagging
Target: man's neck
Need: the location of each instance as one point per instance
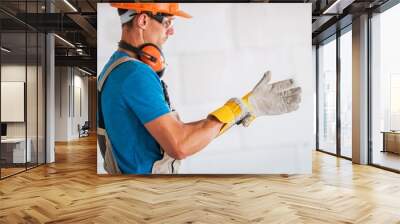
(132, 39)
(131, 54)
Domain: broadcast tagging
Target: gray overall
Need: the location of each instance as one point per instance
(167, 165)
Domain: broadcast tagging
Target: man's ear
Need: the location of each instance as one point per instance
(142, 20)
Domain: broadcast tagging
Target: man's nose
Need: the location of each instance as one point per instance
(170, 31)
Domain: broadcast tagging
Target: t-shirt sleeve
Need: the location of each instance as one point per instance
(144, 95)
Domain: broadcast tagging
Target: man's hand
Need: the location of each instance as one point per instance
(265, 99)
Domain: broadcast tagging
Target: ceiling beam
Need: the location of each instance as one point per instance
(81, 61)
(86, 26)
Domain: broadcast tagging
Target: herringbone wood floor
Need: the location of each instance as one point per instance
(70, 191)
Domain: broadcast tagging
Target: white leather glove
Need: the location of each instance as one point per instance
(271, 98)
(265, 99)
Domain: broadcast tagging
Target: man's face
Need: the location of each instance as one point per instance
(158, 33)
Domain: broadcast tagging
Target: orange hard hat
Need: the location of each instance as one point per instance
(168, 8)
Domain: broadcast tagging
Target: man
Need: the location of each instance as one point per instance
(132, 102)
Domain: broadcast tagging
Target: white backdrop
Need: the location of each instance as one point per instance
(221, 53)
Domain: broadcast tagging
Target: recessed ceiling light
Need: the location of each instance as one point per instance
(338, 6)
(5, 50)
(70, 5)
(84, 71)
(64, 40)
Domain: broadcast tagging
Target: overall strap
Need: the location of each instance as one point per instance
(100, 84)
(115, 64)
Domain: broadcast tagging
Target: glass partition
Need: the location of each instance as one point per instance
(22, 89)
(31, 100)
(14, 153)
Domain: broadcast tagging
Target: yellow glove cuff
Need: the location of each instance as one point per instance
(230, 113)
(227, 113)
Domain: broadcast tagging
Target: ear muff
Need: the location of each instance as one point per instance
(152, 55)
(149, 54)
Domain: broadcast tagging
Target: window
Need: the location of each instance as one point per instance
(346, 75)
(327, 96)
(395, 102)
(385, 89)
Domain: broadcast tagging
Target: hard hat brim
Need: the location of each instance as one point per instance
(153, 7)
(183, 14)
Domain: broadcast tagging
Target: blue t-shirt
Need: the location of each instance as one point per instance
(132, 96)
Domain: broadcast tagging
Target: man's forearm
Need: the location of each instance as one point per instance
(179, 139)
(197, 135)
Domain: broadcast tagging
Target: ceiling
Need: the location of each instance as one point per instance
(76, 22)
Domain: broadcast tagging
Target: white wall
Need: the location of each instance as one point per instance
(68, 82)
(61, 103)
(221, 53)
(80, 84)
(33, 127)
(17, 73)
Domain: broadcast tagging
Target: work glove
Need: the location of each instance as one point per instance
(265, 99)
